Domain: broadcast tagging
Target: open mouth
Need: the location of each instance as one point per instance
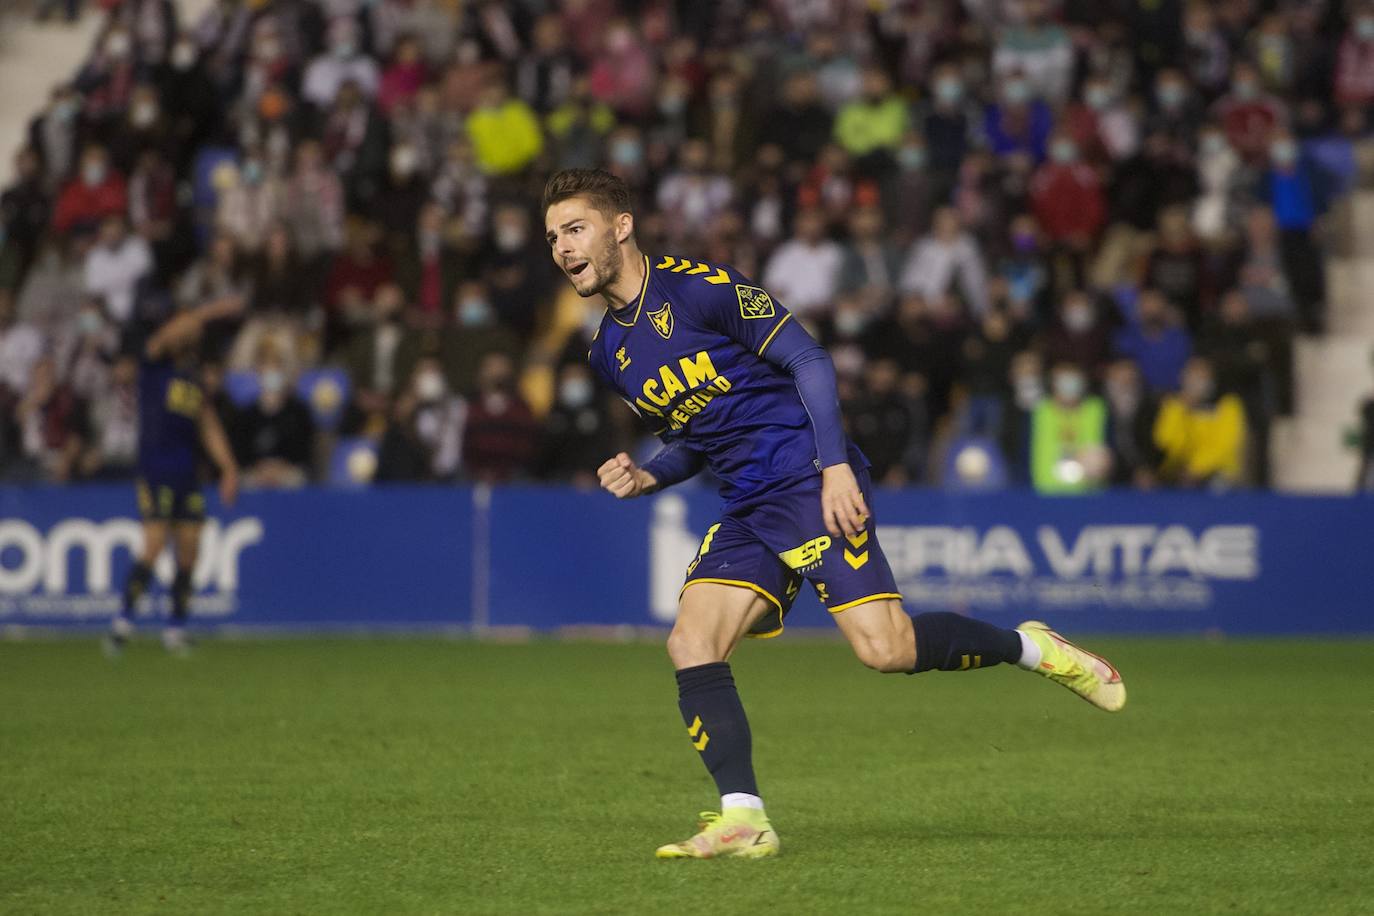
(577, 268)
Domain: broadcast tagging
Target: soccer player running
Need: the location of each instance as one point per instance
(174, 419)
(726, 378)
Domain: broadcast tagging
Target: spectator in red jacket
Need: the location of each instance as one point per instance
(1068, 202)
(501, 434)
(1249, 115)
(1355, 62)
(96, 192)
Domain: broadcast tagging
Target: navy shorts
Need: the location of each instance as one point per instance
(170, 499)
(771, 546)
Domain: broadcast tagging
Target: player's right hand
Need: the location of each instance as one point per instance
(229, 488)
(623, 478)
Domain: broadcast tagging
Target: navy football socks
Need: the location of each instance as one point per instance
(952, 642)
(181, 597)
(717, 726)
(139, 577)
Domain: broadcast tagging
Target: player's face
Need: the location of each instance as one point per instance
(584, 245)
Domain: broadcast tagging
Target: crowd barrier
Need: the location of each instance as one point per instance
(548, 557)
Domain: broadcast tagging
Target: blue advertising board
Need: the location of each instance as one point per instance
(550, 557)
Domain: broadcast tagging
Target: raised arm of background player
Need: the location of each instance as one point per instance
(787, 345)
(184, 330)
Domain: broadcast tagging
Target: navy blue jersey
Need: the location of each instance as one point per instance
(690, 355)
(169, 403)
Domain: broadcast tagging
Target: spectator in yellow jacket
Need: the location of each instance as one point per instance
(504, 131)
(1201, 435)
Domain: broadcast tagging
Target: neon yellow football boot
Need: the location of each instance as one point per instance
(1090, 676)
(740, 832)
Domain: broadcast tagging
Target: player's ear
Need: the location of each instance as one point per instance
(624, 227)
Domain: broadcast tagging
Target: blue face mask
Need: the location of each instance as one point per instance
(627, 153)
(949, 91)
(911, 157)
(475, 313)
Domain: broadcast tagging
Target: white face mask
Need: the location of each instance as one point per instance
(93, 173)
(1069, 386)
(429, 386)
(1078, 318)
(273, 381)
(118, 46)
(183, 56)
(509, 238)
(575, 392)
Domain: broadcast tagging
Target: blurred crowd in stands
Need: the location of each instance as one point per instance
(1060, 244)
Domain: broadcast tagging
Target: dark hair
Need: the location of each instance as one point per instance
(604, 191)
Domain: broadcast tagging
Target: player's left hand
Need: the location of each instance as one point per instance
(842, 502)
(229, 488)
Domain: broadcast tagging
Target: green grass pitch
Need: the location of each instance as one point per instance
(454, 777)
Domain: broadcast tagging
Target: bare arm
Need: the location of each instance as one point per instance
(217, 444)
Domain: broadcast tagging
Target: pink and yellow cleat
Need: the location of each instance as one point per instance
(743, 833)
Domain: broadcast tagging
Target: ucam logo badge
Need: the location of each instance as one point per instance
(68, 571)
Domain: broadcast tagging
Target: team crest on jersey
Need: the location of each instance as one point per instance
(662, 320)
(754, 302)
(622, 359)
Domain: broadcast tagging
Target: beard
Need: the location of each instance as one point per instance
(607, 264)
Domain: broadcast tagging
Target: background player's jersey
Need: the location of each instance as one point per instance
(169, 403)
(688, 356)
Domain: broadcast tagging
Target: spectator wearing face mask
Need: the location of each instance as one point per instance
(190, 101)
(341, 62)
(1130, 426)
(573, 440)
(1176, 111)
(1018, 121)
(501, 436)
(112, 453)
(804, 271)
(1249, 116)
(694, 193)
(115, 264)
(1154, 339)
(424, 440)
(273, 438)
(948, 123)
(1178, 267)
(1070, 206)
(1026, 378)
(889, 422)
(947, 257)
(96, 192)
(1355, 61)
(987, 351)
(1201, 434)
(512, 261)
(505, 132)
(1037, 49)
(1299, 192)
(54, 134)
(872, 263)
(52, 423)
(107, 81)
(25, 208)
(1023, 271)
(1068, 436)
(910, 193)
(1080, 336)
(871, 127)
(800, 118)
(476, 330)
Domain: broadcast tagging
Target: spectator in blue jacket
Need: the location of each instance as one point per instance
(1155, 339)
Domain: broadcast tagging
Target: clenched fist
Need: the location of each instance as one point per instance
(625, 479)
